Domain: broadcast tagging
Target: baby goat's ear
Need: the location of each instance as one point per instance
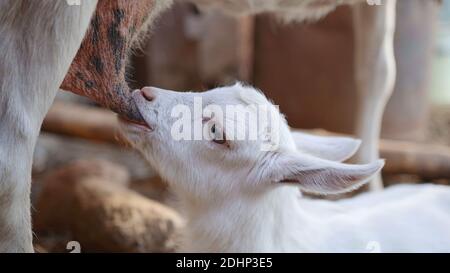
(331, 148)
(321, 176)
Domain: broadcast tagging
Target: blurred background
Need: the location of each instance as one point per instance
(307, 69)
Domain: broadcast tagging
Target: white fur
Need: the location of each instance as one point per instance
(39, 39)
(237, 197)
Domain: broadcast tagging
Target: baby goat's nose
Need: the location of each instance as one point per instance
(148, 93)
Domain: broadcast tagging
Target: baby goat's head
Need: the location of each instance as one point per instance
(232, 141)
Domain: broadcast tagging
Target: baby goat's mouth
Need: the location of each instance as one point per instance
(142, 125)
(138, 124)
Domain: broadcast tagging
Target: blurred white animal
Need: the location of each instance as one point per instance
(238, 197)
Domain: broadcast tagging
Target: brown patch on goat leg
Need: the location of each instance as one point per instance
(98, 70)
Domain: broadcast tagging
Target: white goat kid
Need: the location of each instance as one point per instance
(238, 197)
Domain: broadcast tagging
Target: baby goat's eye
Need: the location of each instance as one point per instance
(217, 135)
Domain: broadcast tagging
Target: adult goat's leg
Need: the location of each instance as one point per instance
(39, 41)
(375, 74)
